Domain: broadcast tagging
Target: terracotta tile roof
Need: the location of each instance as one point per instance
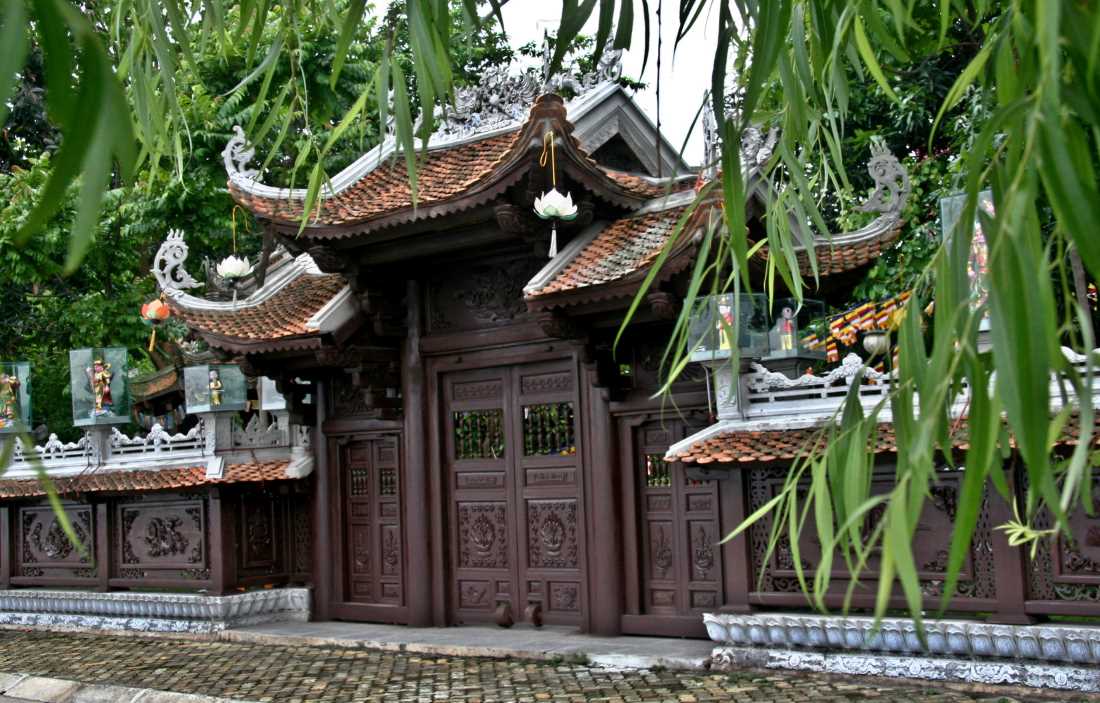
(623, 247)
(765, 446)
(442, 175)
(155, 383)
(846, 257)
(640, 185)
(129, 481)
(283, 315)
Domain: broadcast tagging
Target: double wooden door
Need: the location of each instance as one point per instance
(512, 463)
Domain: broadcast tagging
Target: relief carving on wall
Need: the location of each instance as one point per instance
(552, 534)
(163, 537)
(43, 539)
(259, 535)
(564, 596)
(481, 296)
(483, 540)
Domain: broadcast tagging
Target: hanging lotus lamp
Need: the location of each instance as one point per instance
(153, 314)
(553, 205)
(232, 270)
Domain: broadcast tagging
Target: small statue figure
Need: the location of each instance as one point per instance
(9, 399)
(725, 325)
(215, 388)
(785, 327)
(99, 376)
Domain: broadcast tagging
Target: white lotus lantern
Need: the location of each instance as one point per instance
(231, 268)
(553, 205)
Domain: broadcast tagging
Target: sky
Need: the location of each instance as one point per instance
(685, 74)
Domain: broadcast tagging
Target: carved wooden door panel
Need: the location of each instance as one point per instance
(680, 560)
(477, 451)
(514, 475)
(374, 563)
(548, 480)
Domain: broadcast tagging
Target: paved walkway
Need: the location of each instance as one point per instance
(521, 642)
(296, 674)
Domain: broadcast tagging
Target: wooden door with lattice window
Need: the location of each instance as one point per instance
(513, 473)
(681, 568)
(373, 540)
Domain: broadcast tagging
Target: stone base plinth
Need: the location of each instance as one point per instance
(1046, 656)
(151, 612)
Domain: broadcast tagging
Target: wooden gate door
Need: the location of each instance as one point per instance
(513, 469)
(373, 564)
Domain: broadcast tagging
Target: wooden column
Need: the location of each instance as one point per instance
(222, 544)
(7, 546)
(736, 554)
(1011, 564)
(418, 583)
(605, 544)
(102, 554)
(324, 558)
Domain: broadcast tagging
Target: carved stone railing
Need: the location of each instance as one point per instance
(767, 393)
(215, 438)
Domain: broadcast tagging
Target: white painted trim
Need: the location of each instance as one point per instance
(280, 278)
(340, 309)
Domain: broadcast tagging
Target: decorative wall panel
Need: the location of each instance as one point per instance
(45, 551)
(162, 538)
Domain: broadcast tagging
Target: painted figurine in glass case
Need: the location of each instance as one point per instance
(216, 388)
(9, 399)
(785, 327)
(99, 376)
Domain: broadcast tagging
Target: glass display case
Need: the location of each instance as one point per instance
(793, 326)
(977, 266)
(15, 396)
(270, 397)
(98, 382)
(719, 322)
(212, 388)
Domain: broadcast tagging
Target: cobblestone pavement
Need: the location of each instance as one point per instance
(298, 674)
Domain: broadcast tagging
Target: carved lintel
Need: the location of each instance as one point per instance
(665, 306)
(556, 324)
(514, 219)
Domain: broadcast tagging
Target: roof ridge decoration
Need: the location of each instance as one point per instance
(168, 268)
(495, 105)
(173, 278)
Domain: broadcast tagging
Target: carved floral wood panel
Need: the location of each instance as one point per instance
(162, 539)
(44, 548)
(930, 546)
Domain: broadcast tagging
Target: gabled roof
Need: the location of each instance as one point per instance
(454, 176)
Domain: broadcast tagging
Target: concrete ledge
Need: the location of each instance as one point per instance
(41, 689)
(150, 612)
(930, 668)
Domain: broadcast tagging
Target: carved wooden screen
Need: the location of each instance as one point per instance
(680, 559)
(513, 471)
(371, 485)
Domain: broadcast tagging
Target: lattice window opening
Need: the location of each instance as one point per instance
(658, 472)
(478, 434)
(548, 430)
(387, 482)
(359, 482)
